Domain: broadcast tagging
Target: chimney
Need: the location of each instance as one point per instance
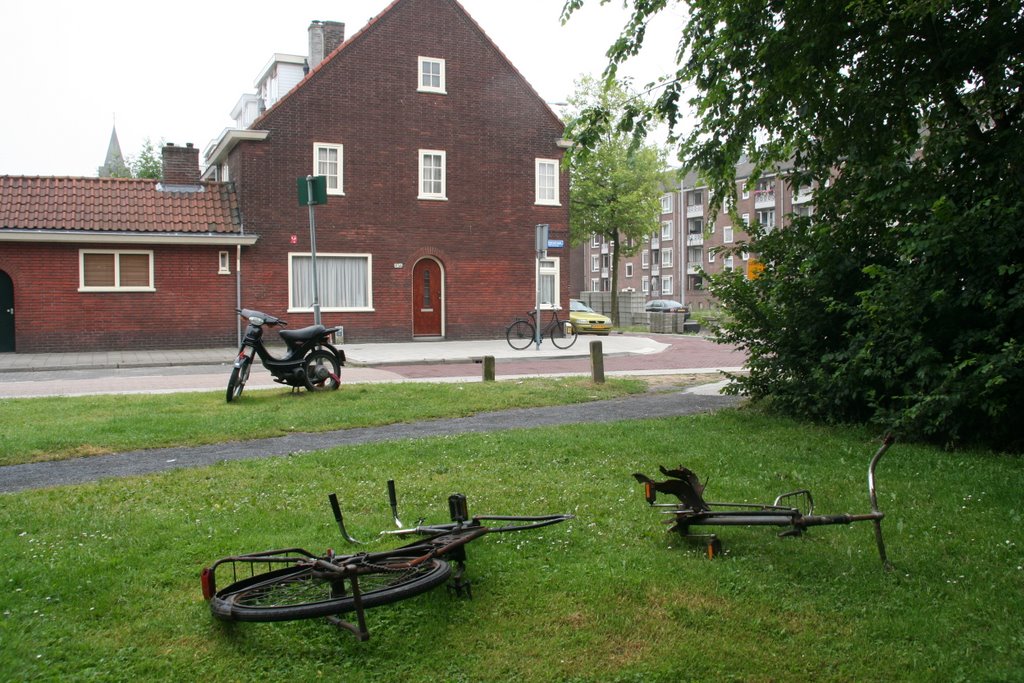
(324, 38)
(181, 164)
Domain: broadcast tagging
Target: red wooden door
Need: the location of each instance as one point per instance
(426, 299)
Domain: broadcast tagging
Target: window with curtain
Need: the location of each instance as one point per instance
(327, 161)
(107, 271)
(547, 283)
(432, 174)
(344, 282)
(546, 182)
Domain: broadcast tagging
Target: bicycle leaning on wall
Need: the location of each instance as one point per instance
(522, 332)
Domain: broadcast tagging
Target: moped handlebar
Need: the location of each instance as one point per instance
(263, 318)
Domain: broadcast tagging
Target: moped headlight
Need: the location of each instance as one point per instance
(256, 320)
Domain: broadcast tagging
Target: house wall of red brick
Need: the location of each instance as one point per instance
(491, 125)
(193, 305)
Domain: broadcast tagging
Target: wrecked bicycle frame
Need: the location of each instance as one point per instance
(521, 333)
(293, 583)
(692, 510)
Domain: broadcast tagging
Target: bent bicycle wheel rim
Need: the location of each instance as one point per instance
(298, 592)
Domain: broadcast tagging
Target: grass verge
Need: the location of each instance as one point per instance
(101, 580)
(37, 429)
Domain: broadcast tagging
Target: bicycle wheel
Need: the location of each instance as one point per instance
(239, 376)
(519, 334)
(322, 371)
(300, 592)
(563, 335)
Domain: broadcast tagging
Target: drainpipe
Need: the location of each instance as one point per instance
(238, 293)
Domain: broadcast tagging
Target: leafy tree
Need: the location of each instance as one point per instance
(616, 185)
(148, 163)
(901, 302)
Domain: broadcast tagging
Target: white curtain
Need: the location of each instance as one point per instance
(344, 281)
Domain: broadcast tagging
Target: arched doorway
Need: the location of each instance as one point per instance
(6, 313)
(427, 299)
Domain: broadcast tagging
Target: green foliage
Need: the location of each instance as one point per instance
(101, 580)
(616, 183)
(900, 302)
(148, 163)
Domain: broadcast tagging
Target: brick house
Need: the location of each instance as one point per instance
(440, 161)
(93, 264)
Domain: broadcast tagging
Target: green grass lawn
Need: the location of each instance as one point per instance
(39, 429)
(101, 580)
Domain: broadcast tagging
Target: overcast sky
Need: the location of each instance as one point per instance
(172, 71)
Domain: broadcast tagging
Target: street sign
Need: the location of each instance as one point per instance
(319, 185)
(556, 244)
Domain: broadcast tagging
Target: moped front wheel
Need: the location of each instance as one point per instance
(322, 371)
(239, 376)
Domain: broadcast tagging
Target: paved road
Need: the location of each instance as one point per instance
(27, 375)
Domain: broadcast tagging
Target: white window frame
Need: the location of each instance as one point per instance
(335, 181)
(546, 182)
(727, 235)
(82, 287)
(645, 284)
(666, 258)
(441, 88)
(223, 263)
(666, 203)
(595, 284)
(595, 241)
(595, 263)
(666, 230)
(645, 259)
(768, 225)
(292, 308)
(711, 255)
(550, 267)
(728, 263)
(629, 270)
(437, 196)
(666, 284)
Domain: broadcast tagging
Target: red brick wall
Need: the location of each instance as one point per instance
(491, 125)
(192, 306)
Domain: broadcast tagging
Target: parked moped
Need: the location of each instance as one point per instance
(311, 362)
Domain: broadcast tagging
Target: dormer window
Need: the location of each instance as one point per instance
(431, 75)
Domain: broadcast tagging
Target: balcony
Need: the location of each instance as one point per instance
(803, 195)
(655, 243)
(695, 239)
(692, 268)
(764, 199)
(694, 210)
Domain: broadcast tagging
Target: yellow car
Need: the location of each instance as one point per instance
(586, 320)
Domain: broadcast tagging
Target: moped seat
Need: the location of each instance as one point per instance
(303, 334)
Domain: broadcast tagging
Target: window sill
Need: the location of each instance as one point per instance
(432, 198)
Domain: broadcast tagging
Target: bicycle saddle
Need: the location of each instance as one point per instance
(683, 484)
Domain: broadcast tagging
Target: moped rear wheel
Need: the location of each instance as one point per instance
(322, 371)
(239, 376)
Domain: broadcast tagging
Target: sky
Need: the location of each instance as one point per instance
(171, 72)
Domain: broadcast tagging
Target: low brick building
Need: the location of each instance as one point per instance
(92, 264)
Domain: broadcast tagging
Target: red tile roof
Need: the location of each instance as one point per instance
(116, 204)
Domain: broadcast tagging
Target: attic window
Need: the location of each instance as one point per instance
(431, 75)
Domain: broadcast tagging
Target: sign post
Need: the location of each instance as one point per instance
(542, 252)
(313, 191)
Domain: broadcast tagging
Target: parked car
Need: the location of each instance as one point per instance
(586, 320)
(665, 306)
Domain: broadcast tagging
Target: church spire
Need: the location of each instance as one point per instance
(113, 166)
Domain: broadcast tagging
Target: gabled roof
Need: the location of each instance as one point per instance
(372, 25)
(117, 205)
